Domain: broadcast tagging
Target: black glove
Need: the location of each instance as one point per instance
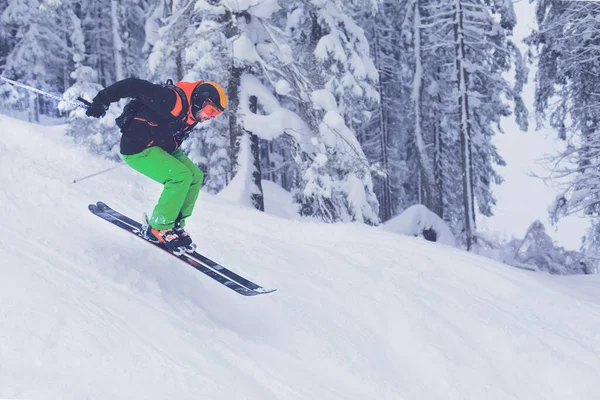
(98, 107)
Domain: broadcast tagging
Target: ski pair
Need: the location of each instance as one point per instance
(196, 260)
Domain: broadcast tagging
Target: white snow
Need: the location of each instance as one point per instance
(294, 20)
(245, 51)
(278, 201)
(323, 99)
(152, 26)
(417, 218)
(337, 135)
(259, 8)
(88, 311)
(277, 121)
(282, 87)
(330, 45)
(238, 191)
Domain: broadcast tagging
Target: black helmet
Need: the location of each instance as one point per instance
(208, 91)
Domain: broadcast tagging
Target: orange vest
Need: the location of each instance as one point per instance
(186, 89)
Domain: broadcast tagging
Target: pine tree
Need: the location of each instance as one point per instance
(567, 76)
(538, 249)
(338, 178)
(383, 137)
(244, 31)
(127, 19)
(239, 33)
(475, 35)
(101, 136)
(263, 65)
(427, 189)
(26, 60)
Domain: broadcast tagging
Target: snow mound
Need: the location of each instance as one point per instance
(417, 220)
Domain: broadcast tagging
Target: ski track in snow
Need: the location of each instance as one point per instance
(90, 312)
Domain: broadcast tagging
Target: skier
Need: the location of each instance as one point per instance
(153, 126)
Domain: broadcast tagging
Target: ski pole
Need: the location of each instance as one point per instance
(86, 104)
(97, 173)
(55, 97)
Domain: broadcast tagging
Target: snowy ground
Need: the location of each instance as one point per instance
(89, 312)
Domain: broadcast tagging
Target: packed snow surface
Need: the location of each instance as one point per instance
(90, 312)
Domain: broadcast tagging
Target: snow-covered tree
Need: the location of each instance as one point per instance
(539, 250)
(100, 135)
(127, 18)
(338, 183)
(28, 60)
(168, 29)
(350, 104)
(477, 51)
(384, 136)
(567, 87)
(591, 248)
(263, 72)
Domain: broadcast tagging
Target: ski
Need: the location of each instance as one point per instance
(204, 260)
(201, 263)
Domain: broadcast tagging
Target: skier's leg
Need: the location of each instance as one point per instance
(192, 194)
(176, 177)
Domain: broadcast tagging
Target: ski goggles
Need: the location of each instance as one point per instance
(208, 111)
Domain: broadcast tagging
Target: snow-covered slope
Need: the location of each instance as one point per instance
(90, 312)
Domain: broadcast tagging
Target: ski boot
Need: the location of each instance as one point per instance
(185, 238)
(168, 237)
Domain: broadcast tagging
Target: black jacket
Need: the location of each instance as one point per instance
(153, 118)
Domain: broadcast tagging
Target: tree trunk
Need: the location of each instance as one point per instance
(67, 66)
(438, 175)
(34, 109)
(236, 131)
(438, 157)
(117, 33)
(272, 176)
(465, 130)
(98, 42)
(426, 179)
(266, 153)
(385, 198)
(257, 198)
(235, 128)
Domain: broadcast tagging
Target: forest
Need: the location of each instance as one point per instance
(359, 108)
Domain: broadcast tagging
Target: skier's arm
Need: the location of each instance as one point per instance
(157, 97)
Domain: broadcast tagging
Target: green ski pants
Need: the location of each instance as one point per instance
(181, 178)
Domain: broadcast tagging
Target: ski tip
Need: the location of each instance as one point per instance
(264, 291)
(92, 207)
